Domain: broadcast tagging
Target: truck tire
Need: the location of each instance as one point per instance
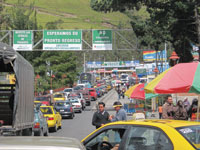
(27, 132)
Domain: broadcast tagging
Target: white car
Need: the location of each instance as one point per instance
(68, 90)
(40, 143)
(76, 103)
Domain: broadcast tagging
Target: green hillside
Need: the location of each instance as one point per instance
(75, 14)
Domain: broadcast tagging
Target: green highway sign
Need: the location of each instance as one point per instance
(102, 39)
(22, 40)
(62, 40)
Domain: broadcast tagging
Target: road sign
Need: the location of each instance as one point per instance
(62, 40)
(22, 40)
(102, 39)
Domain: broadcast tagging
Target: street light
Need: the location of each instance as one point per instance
(174, 57)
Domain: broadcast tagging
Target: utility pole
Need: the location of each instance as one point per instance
(84, 62)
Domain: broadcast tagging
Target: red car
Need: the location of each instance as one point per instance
(93, 93)
(45, 100)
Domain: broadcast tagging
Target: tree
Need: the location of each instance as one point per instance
(170, 20)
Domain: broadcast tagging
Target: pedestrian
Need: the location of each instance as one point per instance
(167, 112)
(180, 112)
(123, 92)
(120, 112)
(186, 104)
(119, 93)
(101, 117)
(193, 110)
(160, 111)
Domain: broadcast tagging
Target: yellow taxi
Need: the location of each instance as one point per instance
(37, 104)
(58, 97)
(54, 119)
(145, 135)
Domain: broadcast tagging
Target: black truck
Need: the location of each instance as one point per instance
(16, 97)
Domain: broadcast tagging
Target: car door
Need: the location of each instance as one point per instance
(113, 135)
(147, 138)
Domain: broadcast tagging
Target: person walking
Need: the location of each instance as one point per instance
(167, 112)
(123, 92)
(120, 112)
(119, 93)
(101, 117)
(180, 112)
(160, 111)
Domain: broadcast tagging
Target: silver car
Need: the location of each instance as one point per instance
(40, 143)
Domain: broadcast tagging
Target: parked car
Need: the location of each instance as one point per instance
(65, 109)
(93, 93)
(40, 127)
(54, 118)
(76, 103)
(146, 135)
(39, 143)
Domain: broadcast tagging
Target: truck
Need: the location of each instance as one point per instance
(87, 78)
(16, 96)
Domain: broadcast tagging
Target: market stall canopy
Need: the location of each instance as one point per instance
(137, 92)
(182, 78)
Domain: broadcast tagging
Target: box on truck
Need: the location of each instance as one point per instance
(17, 95)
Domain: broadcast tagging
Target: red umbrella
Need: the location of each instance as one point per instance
(137, 92)
(182, 78)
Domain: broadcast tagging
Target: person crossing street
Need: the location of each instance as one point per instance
(101, 117)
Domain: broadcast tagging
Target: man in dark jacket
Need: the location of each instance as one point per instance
(100, 117)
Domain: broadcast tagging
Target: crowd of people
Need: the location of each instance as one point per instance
(101, 116)
(182, 111)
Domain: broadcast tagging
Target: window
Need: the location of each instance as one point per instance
(113, 136)
(141, 138)
(191, 133)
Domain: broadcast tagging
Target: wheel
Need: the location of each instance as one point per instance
(47, 132)
(72, 116)
(38, 133)
(55, 128)
(80, 111)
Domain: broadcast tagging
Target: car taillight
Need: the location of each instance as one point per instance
(37, 125)
(71, 109)
(50, 118)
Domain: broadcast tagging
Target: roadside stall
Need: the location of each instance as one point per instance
(182, 78)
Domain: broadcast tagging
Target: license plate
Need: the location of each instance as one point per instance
(62, 110)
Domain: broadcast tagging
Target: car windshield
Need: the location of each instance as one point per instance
(46, 110)
(74, 101)
(68, 90)
(192, 134)
(41, 98)
(62, 104)
(58, 96)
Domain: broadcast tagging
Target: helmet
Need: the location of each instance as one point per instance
(117, 103)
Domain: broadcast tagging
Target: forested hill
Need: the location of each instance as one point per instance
(73, 14)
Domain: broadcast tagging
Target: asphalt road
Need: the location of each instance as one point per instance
(81, 125)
